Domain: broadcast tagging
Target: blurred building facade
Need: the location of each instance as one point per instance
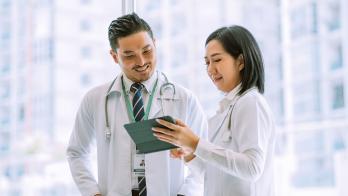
(316, 129)
(51, 53)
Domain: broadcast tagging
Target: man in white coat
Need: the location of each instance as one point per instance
(109, 105)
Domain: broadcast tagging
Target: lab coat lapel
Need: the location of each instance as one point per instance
(215, 123)
(155, 110)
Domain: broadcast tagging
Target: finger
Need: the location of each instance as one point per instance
(163, 131)
(165, 139)
(180, 122)
(176, 156)
(167, 124)
(163, 135)
(175, 153)
(178, 151)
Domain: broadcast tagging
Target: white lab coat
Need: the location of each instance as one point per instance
(164, 175)
(238, 161)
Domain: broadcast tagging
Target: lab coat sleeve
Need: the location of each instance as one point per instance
(251, 126)
(197, 166)
(196, 119)
(78, 151)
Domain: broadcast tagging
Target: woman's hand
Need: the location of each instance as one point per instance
(177, 134)
(176, 153)
(179, 153)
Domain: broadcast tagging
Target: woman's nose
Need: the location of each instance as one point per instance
(211, 70)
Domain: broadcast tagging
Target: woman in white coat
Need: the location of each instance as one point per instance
(237, 160)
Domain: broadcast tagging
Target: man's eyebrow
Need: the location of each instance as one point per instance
(128, 52)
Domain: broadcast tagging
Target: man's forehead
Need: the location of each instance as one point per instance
(140, 38)
(133, 48)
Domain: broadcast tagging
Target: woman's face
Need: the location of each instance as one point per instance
(223, 69)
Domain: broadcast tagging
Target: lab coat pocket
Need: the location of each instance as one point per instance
(170, 106)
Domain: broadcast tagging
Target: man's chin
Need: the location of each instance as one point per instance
(143, 77)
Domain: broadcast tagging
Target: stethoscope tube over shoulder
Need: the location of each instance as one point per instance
(229, 115)
(107, 124)
(163, 87)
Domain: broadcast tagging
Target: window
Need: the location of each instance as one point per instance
(338, 96)
(85, 2)
(5, 64)
(86, 52)
(306, 100)
(335, 56)
(5, 115)
(85, 25)
(5, 3)
(314, 172)
(85, 80)
(4, 90)
(332, 15)
(43, 50)
(179, 23)
(4, 141)
(21, 113)
(304, 20)
(314, 165)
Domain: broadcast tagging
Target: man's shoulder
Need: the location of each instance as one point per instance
(98, 91)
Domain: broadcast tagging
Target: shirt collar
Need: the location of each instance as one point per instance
(229, 97)
(148, 84)
(233, 93)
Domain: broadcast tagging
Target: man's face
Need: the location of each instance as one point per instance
(136, 55)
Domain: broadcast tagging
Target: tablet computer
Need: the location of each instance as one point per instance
(142, 135)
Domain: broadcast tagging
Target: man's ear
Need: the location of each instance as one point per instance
(240, 61)
(154, 42)
(114, 55)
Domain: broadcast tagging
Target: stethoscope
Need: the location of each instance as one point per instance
(227, 136)
(163, 87)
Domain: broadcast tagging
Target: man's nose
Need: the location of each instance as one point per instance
(141, 60)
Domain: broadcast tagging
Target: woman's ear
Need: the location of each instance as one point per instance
(240, 61)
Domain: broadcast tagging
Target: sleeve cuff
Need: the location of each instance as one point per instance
(203, 149)
(196, 165)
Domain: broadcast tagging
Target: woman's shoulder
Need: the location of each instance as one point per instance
(252, 98)
(253, 102)
(251, 95)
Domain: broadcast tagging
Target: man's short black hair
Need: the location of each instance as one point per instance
(236, 41)
(126, 25)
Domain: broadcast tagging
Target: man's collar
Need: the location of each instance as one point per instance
(117, 83)
(148, 84)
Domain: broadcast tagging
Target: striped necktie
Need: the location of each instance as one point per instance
(139, 113)
(138, 104)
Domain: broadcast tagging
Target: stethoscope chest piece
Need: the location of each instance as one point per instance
(227, 136)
